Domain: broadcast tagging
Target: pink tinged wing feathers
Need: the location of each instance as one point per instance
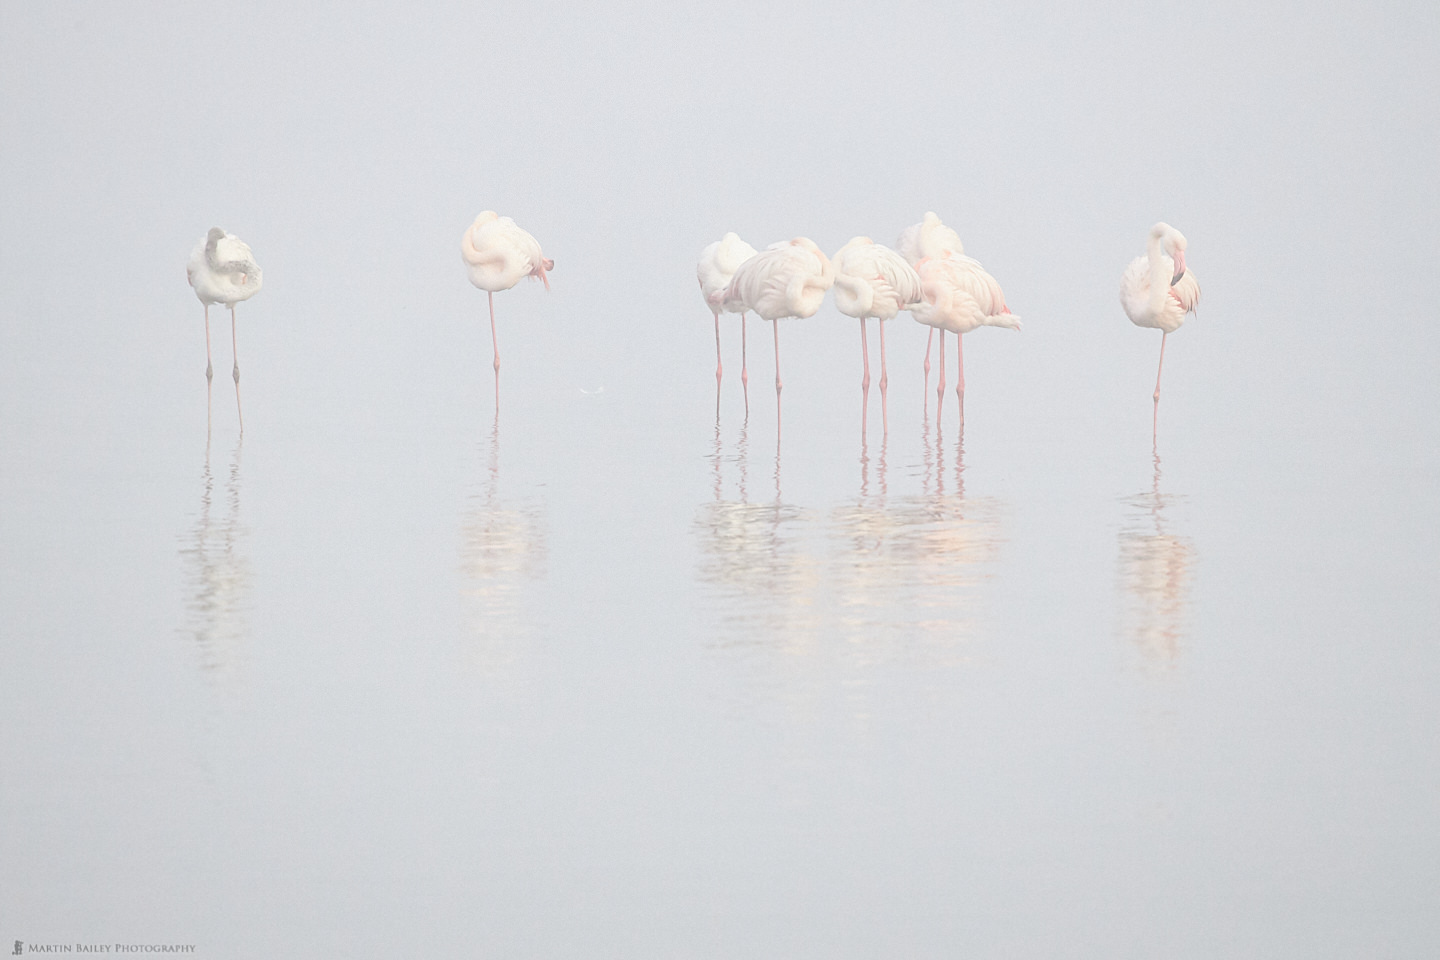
(873, 281)
(226, 273)
(787, 279)
(928, 238)
(1157, 290)
(498, 254)
(958, 295)
(718, 263)
(1135, 289)
(1187, 292)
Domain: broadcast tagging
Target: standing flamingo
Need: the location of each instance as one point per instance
(498, 254)
(222, 270)
(873, 281)
(926, 239)
(718, 263)
(788, 279)
(1157, 291)
(958, 295)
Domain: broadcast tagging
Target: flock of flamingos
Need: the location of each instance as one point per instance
(928, 274)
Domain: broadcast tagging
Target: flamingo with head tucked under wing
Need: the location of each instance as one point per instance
(959, 296)
(873, 281)
(928, 238)
(788, 279)
(223, 270)
(924, 240)
(498, 254)
(718, 263)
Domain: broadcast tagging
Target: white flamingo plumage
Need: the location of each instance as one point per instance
(958, 295)
(872, 280)
(787, 279)
(718, 263)
(498, 254)
(223, 270)
(926, 240)
(1157, 290)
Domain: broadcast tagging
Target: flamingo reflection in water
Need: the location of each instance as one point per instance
(1156, 569)
(877, 579)
(911, 569)
(503, 551)
(756, 558)
(217, 570)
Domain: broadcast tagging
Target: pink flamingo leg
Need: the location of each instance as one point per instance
(744, 373)
(719, 369)
(864, 413)
(960, 363)
(235, 351)
(209, 370)
(864, 386)
(960, 372)
(884, 379)
(940, 390)
(778, 385)
(494, 341)
(865, 352)
(234, 348)
(1160, 367)
(1155, 415)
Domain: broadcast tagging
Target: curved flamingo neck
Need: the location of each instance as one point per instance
(862, 291)
(1159, 281)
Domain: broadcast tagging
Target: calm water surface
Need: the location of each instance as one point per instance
(604, 669)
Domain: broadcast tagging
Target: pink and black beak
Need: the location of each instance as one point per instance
(1179, 267)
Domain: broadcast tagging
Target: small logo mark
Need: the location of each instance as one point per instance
(19, 948)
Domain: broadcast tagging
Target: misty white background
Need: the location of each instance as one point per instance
(609, 753)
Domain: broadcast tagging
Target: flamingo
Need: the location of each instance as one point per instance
(498, 253)
(788, 280)
(718, 263)
(928, 238)
(1157, 291)
(223, 270)
(873, 281)
(959, 296)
